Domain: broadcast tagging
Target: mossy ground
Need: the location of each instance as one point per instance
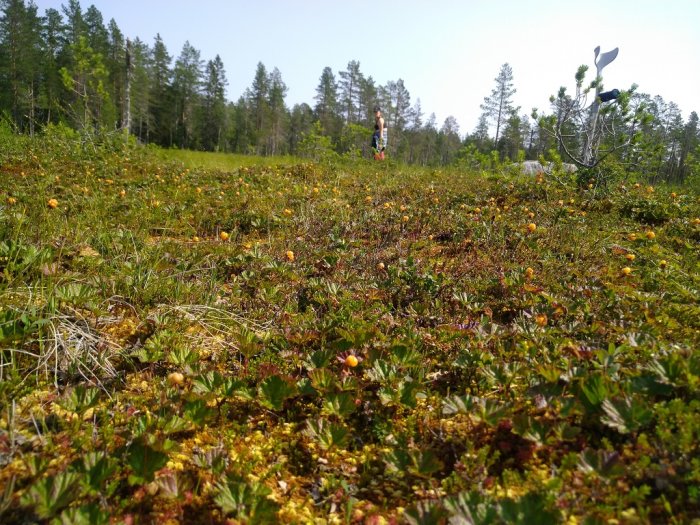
(154, 372)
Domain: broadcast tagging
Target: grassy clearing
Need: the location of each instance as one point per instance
(265, 342)
(221, 161)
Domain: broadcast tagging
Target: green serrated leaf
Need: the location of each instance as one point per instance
(274, 391)
(50, 495)
(144, 462)
(338, 404)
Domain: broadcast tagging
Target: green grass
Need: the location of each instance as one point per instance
(155, 370)
(221, 161)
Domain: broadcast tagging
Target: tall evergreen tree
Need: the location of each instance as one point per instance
(213, 114)
(301, 121)
(480, 137)
(242, 128)
(415, 120)
(53, 44)
(161, 105)
(19, 60)
(141, 116)
(258, 103)
(75, 25)
(97, 34)
(326, 108)
(115, 60)
(350, 85)
(277, 112)
(690, 143)
(367, 100)
(448, 142)
(86, 79)
(499, 105)
(398, 112)
(515, 132)
(187, 80)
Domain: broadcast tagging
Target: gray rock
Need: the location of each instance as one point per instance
(534, 167)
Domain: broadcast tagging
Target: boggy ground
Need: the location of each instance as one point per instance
(350, 343)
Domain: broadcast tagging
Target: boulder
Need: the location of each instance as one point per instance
(535, 167)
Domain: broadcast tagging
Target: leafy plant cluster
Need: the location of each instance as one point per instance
(341, 343)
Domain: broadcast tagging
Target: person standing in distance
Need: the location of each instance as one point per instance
(379, 138)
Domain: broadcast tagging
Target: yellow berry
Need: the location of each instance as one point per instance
(531, 227)
(176, 378)
(53, 203)
(351, 361)
(224, 236)
(626, 270)
(630, 257)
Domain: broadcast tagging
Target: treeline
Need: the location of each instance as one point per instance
(69, 67)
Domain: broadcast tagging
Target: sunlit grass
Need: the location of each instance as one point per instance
(222, 161)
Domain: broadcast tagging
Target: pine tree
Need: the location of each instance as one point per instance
(258, 101)
(20, 61)
(499, 105)
(161, 104)
(97, 34)
(75, 25)
(141, 116)
(277, 112)
(86, 80)
(398, 112)
(448, 142)
(515, 133)
(187, 80)
(480, 137)
(242, 127)
(366, 102)
(301, 121)
(326, 108)
(415, 120)
(350, 85)
(212, 124)
(115, 60)
(690, 143)
(52, 48)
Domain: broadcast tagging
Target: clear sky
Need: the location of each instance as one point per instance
(448, 52)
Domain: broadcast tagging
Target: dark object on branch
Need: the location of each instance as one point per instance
(609, 95)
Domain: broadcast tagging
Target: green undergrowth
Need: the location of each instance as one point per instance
(201, 339)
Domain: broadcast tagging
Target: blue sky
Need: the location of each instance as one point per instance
(447, 52)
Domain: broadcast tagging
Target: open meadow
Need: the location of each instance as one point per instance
(218, 339)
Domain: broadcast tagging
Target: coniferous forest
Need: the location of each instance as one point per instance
(71, 67)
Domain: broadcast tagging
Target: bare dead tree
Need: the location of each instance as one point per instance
(587, 131)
